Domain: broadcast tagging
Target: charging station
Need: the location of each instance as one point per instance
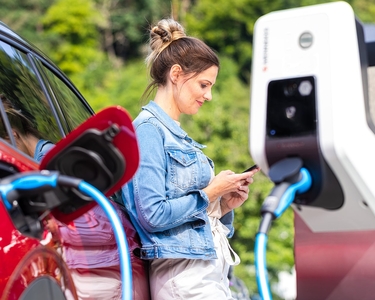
(309, 99)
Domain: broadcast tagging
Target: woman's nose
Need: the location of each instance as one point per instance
(208, 96)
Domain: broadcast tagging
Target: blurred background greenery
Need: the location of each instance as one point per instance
(101, 46)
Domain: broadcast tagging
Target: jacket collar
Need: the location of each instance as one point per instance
(168, 122)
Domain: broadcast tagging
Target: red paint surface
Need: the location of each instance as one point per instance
(334, 265)
(23, 259)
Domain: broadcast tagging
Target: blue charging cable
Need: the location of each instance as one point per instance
(118, 229)
(34, 183)
(290, 178)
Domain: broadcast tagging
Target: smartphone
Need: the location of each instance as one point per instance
(251, 168)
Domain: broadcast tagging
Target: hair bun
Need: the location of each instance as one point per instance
(165, 32)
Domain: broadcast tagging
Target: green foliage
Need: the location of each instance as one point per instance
(124, 29)
(108, 86)
(70, 28)
(23, 16)
(364, 9)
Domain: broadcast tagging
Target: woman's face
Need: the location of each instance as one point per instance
(20, 142)
(192, 92)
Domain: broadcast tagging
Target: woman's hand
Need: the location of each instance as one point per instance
(233, 200)
(233, 188)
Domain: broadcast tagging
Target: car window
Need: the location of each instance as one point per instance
(23, 101)
(74, 110)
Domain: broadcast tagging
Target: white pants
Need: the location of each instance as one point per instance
(97, 284)
(195, 279)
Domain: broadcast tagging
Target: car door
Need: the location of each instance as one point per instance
(39, 106)
(32, 267)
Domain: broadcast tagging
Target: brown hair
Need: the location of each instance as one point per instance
(170, 45)
(17, 119)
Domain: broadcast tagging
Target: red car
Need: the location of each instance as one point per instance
(55, 251)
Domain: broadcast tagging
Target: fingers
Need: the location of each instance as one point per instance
(241, 176)
(248, 181)
(253, 172)
(243, 194)
(228, 181)
(244, 188)
(227, 172)
(247, 177)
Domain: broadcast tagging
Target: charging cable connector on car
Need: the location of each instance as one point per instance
(28, 184)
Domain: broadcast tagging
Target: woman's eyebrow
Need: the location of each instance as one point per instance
(207, 81)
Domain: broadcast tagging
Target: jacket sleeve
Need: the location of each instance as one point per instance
(227, 220)
(155, 211)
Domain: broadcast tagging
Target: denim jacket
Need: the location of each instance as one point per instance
(41, 149)
(164, 199)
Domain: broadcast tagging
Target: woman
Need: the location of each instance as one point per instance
(177, 204)
(26, 136)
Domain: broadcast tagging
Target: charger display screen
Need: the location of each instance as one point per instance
(291, 107)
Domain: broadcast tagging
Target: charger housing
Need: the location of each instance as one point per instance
(309, 99)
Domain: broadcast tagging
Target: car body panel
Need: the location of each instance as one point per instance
(33, 265)
(334, 265)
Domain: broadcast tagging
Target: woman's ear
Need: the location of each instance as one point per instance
(15, 134)
(174, 73)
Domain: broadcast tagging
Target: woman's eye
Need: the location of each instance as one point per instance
(203, 86)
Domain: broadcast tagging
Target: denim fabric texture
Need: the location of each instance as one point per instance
(164, 199)
(41, 149)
